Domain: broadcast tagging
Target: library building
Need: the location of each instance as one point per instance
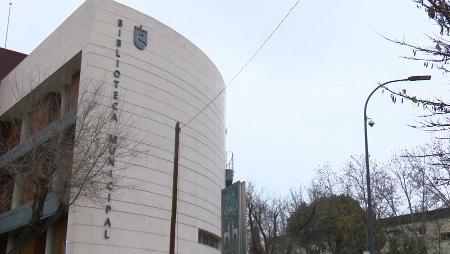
(102, 149)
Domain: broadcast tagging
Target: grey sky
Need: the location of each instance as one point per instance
(300, 102)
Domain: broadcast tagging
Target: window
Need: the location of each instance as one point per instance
(419, 231)
(207, 238)
(445, 236)
(393, 232)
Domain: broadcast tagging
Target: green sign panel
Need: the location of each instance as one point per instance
(233, 219)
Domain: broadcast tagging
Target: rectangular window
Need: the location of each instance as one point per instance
(208, 238)
(420, 231)
(445, 236)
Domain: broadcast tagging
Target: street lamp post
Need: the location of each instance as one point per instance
(370, 215)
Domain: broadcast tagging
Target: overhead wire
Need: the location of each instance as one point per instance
(244, 66)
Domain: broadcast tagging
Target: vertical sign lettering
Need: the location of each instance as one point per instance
(112, 139)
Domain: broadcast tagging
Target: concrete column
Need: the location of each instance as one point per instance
(25, 128)
(11, 242)
(64, 100)
(50, 240)
(58, 180)
(18, 192)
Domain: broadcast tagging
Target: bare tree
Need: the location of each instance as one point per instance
(403, 178)
(429, 174)
(353, 178)
(352, 182)
(264, 221)
(436, 54)
(435, 118)
(268, 219)
(325, 182)
(70, 158)
(424, 172)
(386, 196)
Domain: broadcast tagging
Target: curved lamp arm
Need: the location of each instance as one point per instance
(411, 78)
(374, 90)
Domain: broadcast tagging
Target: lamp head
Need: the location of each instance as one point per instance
(371, 122)
(416, 78)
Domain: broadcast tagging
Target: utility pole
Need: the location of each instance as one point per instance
(7, 26)
(173, 218)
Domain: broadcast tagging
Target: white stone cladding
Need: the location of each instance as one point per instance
(170, 80)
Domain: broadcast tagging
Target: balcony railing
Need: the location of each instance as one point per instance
(38, 139)
(20, 216)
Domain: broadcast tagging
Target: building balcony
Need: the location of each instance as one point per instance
(11, 219)
(39, 138)
(20, 216)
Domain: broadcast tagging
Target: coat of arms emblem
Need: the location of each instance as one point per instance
(140, 37)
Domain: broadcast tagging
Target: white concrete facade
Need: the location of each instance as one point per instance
(168, 81)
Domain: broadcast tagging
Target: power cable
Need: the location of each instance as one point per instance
(245, 65)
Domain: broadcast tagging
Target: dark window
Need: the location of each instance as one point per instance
(445, 236)
(419, 231)
(207, 238)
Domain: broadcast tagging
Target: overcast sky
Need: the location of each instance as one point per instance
(300, 103)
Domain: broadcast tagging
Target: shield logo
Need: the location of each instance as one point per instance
(140, 37)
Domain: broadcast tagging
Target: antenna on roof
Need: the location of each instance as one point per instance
(7, 26)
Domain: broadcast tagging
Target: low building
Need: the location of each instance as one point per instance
(430, 230)
(151, 78)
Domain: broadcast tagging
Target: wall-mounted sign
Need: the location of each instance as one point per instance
(140, 37)
(112, 139)
(234, 205)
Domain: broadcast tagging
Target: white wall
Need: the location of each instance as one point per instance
(58, 48)
(170, 80)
